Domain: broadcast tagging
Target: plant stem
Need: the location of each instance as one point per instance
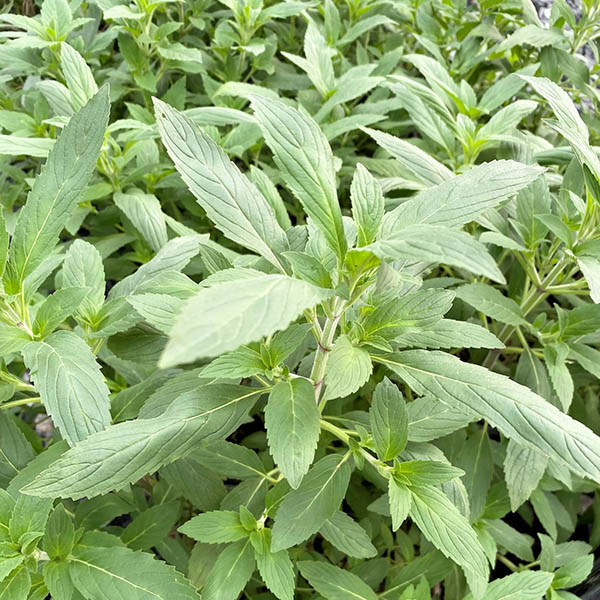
(20, 402)
(324, 347)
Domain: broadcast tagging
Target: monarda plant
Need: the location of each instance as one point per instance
(309, 418)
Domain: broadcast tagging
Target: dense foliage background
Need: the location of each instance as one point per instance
(139, 253)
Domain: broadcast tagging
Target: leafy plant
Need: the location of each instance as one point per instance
(298, 301)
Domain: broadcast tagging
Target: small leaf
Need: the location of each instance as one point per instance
(215, 527)
(348, 369)
(334, 583)
(231, 572)
(389, 420)
(400, 501)
(292, 421)
(304, 510)
(367, 205)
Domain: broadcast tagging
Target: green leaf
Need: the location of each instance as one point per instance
(172, 257)
(215, 527)
(348, 369)
(570, 124)
(117, 572)
(478, 465)
(231, 572)
(70, 383)
(437, 244)
(15, 450)
(348, 536)
(367, 205)
(304, 157)
(146, 215)
(230, 314)
(527, 585)
(83, 268)
(123, 453)
(463, 198)
(400, 501)
(160, 310)
(292, 421)
(442, 524)
(78, 76)
(492, 303)
(395, 315)
(334, 583)
(424, 167)
(429, 419)
(304, 510)
(425, 472)
(523, 469)
(242, 362)
(59, 538)
(448, 333)
(57, 189)
(277, 572)
(230, 460)
(17, 585)
(56, 308)
(515, 410)
(231, 202)
(389, 420)
(151, 526)
(309, 268)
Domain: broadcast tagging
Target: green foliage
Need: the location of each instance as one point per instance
(299, 300)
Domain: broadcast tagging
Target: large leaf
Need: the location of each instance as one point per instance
(116, 572)
(57, 189)
(437, 244)
(70, 384)
(292, 421)
(304, 510)
(462, 198)
(514, 409)
(303, 154)
(230, 200)
(334, 583)
(123, 453)
(442, 524)
(527, 585)
(230, 314)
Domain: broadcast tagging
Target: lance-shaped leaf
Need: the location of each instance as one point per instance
(515, 410)
(304, 511)
(292, 421)
(117, 572)
(464, 197)
(231, 572)
(437, 244)
(491, 302)
(334, 583)
(123, 453)
(57, 189)
(367, 205)
(570, 124)
(523, 469)
(389, 420)
(230, 200)
(442, 524)
(70, 384)
(303, 155)
(228, 315)
(426, 168)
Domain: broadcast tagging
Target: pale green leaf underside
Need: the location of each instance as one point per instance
(228, 315)
(514, 409)
(292, 421)
(123, 453)
(70, 383)
(231, 201)
(57, 189)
